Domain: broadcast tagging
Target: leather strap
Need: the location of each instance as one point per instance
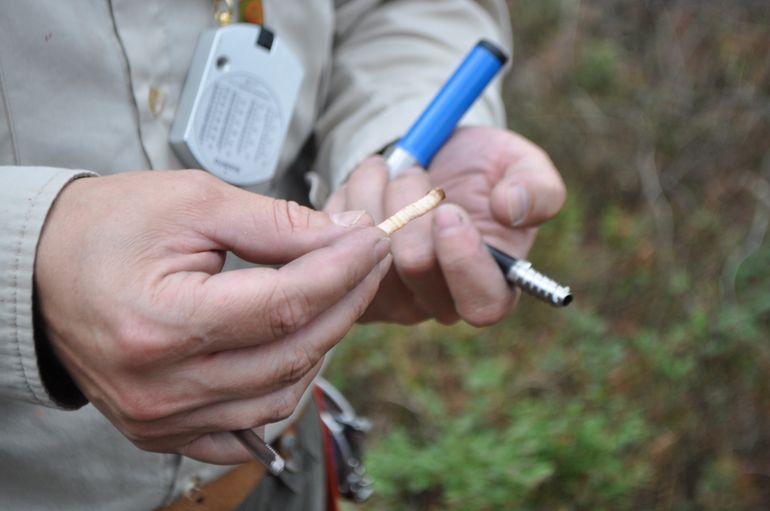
(222, 494)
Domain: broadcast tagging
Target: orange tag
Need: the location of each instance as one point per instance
(251, 11)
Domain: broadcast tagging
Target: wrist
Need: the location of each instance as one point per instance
(57, 381)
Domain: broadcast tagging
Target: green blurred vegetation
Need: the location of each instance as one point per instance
(652, 391)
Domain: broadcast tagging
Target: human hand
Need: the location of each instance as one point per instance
(173, 352)
(499, 188)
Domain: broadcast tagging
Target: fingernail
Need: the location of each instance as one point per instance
(446, 218)
(518, 204)
(347, 218)
(382, 248)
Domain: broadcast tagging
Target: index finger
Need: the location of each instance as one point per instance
(265, 230)
(253, 306)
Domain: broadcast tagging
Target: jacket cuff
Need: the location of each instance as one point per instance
(26, 196)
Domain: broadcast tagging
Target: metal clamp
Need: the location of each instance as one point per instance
(347, 430)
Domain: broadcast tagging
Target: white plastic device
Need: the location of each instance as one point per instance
(236, 104)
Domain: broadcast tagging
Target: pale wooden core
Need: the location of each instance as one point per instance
(416, 209)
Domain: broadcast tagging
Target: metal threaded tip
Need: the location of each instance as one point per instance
(523, 275)
(277, 466)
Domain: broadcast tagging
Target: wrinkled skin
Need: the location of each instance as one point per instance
(499, 188)
(170, 350)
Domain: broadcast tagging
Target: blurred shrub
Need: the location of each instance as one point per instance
(669, 415)
(652, 391)
(597, 71)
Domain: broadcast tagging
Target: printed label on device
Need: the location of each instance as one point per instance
(237, 103)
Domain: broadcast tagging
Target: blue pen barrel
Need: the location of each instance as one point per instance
(438, 121)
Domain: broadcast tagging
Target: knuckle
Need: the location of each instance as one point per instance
(142, 435)
(414, 262)
(484, 315)
(297, 366)
(136, 407)
(288, 311)
(137, 345)
(289, 216)
(151, 438)
(285, 403)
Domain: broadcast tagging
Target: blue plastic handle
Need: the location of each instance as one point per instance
(438, 121)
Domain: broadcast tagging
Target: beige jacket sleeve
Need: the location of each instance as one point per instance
(390, 59)
(26, 195)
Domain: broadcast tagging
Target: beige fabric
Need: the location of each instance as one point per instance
(75, 84)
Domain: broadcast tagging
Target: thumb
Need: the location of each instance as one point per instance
(530, 192)
(272, 231)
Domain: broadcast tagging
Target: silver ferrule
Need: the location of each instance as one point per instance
(398, 160)
(523, 275)
(277, 466)
(261, 450)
